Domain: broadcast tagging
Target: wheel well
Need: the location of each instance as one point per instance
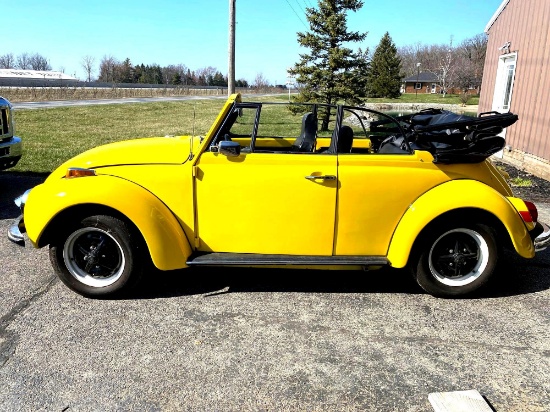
(76, 214)
(466, 216)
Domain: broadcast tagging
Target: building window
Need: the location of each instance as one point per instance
(418, 86)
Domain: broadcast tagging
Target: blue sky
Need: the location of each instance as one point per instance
(195, 32)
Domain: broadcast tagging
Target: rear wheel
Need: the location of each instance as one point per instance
(98, 257)
(457, 260)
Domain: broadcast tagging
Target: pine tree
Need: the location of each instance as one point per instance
(331, 72)
(176, 78)
(126, 72)
(384, 78)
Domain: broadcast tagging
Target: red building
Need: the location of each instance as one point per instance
(516, 78)
(424, 82)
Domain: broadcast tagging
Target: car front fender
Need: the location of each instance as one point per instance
(165, 238)
(455, 195)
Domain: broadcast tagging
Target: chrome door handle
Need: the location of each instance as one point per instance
(326, 177)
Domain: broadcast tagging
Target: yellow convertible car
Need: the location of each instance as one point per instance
(288, 185)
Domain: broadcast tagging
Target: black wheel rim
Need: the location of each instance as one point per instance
(458, 257)
(94, 257)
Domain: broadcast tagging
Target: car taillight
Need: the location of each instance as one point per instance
(532, 215)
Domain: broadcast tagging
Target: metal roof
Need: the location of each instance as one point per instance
(34, 74)
(495, 16)
(422, 77)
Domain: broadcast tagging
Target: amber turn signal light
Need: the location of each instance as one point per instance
(79, 172)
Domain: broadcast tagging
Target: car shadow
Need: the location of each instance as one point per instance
(515, 276)
(215, 281)
(518, 276)
(13, 184)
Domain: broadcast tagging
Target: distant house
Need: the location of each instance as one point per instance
(428, 82)
(423, 82)
(516, 78)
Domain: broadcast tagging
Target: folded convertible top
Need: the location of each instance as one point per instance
(456, 138)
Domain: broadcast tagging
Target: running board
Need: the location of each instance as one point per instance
(258, 259)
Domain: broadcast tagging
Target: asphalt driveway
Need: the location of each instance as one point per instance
(243, 340)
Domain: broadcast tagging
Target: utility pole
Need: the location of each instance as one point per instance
(416, 84)
(231, 72)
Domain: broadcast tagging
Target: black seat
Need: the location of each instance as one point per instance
(306, 141)
(345, 141)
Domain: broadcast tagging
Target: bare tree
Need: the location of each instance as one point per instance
(88, 66)
(39, 62)
(471, 55)
(260, 82)
(107, 69)
(172, 72)
(23, 61)
(7, 61)
(446, 69)
(410, 56)
(204, 74)
(456, 67)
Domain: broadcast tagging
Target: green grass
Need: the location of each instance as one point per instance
(521, 182)
(426, 98)
(413, 98)
(52, 136)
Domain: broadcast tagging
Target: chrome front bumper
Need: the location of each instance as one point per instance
(16, 230)
(10, 152)
(542, 241)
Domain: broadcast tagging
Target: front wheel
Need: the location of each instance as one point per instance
(98, 257)
(454, 261)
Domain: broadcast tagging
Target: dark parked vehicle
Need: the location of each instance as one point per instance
(10, 145)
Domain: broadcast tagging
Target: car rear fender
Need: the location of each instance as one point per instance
(452, 196)
(165, 238)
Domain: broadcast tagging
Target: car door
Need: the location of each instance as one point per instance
(376, 187)
(264, 201)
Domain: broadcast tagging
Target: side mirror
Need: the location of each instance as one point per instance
(229, 148)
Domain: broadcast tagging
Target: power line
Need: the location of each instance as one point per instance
(300, 6)
(297, 15)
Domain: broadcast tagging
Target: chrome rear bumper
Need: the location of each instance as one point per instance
(542, 241)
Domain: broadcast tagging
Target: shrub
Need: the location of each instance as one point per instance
(464, 98)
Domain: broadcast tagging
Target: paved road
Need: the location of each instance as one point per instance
(64, 103)
(258, 340)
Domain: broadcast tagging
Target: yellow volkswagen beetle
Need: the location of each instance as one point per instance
(341, 187)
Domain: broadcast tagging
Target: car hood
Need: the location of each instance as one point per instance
(152, 150)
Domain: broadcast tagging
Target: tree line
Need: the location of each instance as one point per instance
(112, 70)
